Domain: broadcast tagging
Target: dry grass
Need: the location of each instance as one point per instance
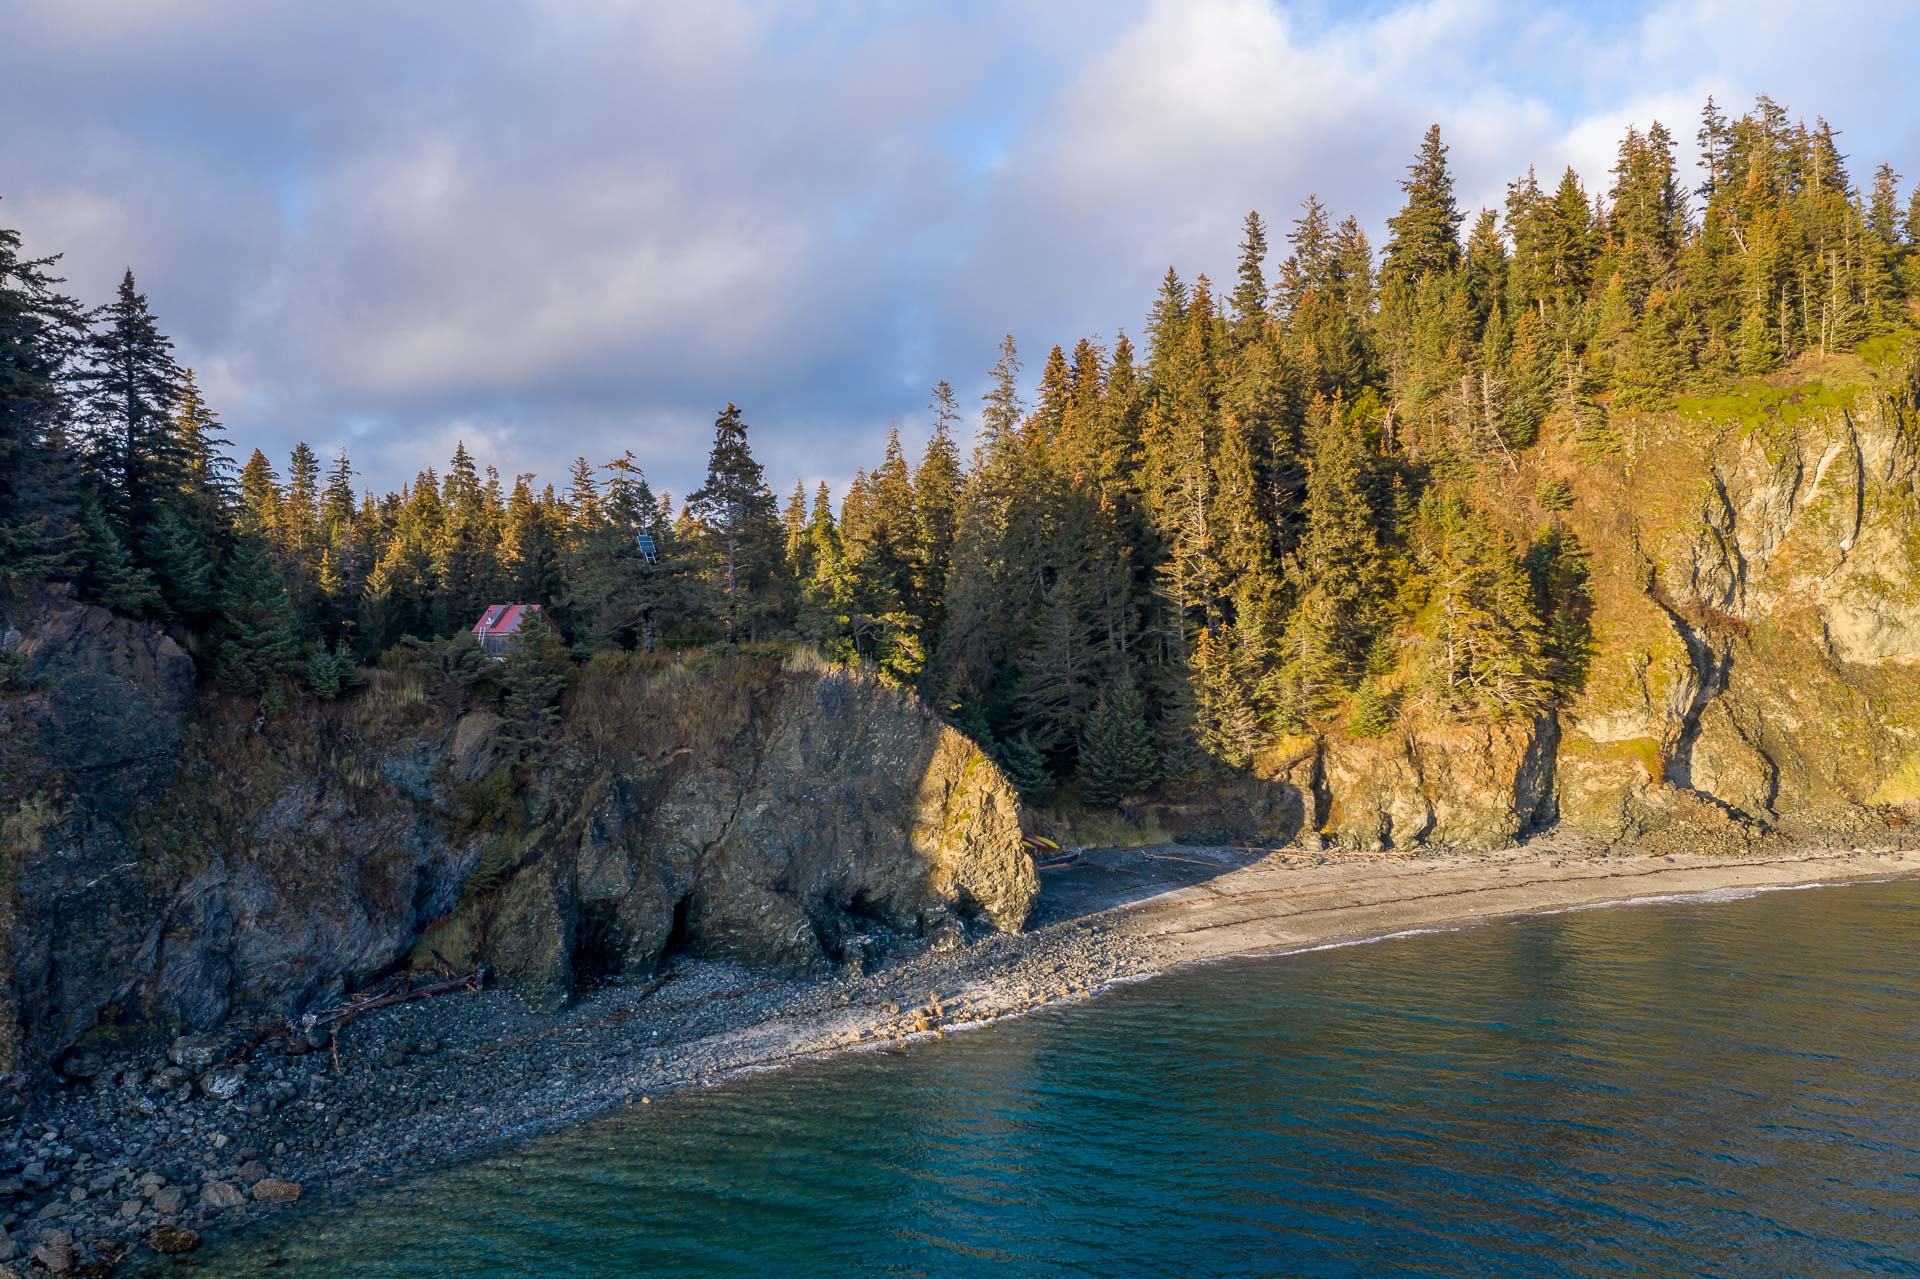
(647, 705)
(804, 659)
(393, 699)
(1074, 825)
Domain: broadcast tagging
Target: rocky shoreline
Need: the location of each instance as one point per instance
(142, 1153)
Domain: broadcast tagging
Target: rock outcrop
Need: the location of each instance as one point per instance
(1757, 574)
(176, 860)
(1471, 786)
(851, 809)
(91, 729)
(1754, 666)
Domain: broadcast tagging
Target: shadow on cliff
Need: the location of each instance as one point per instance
(1105, 879)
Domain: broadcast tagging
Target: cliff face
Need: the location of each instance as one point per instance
(1757, 619)
(809, 817)
(90, 730)
(178, 863)
(1755, 661)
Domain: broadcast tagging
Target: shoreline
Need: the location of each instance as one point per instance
(456, 1077)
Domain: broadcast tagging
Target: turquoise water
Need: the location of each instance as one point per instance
(1702, 1087)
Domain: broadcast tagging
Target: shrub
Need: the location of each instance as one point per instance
(332, 672)
(1373, 710)
(1555, 495)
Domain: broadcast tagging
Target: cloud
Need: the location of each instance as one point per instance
(555, 228)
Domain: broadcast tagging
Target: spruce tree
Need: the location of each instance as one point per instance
(1002, 405)
(1165, 323)
(1485, 266)
(1324, 299)
(465, 547)
(1054, 676)
(1117, 755)
(184, 566)
(200, 512)
(253, 641)
(259, 496)
(1485, 648)
(583, 498)
(936, 491)
(1340, 556)
(1026, 768)
(1050, 412)
(892, 534)
(1425, 234)
(206, 478)
(1248, 302)
(107, 571)
(1567, 249)
(1227, 720)
(828, 599)
(40, 536)
(736, 510)
(128, 386)
(331, 672)
(793, 532)
(299, 523)
(530, 545)
(987, 604)
(1373, 710)
(533, 675)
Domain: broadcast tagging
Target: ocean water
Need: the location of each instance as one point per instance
(1727, 1085)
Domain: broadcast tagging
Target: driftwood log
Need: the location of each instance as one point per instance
(398, 991)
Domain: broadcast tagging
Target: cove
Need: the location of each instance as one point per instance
(1719, 1085)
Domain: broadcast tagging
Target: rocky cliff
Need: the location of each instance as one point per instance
(1757, 619)
(1754, 664)
(177, 860)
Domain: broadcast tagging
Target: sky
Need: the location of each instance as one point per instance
(551, 228)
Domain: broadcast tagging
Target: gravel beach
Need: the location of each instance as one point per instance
(148, 1150)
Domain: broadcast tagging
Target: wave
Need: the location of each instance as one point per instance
(1738, 893)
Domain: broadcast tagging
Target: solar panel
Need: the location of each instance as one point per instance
(645, 542)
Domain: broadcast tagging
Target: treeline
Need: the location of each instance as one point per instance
(1291, 506)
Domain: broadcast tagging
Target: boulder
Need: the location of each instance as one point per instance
(273, 1190)
(223, 1084)
(945, 933)
(221, 1194)
(82, 1066)
(195, 1053)
(54, 1253)
(171, 1241)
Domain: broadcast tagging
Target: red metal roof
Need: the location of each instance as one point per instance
(503, 619)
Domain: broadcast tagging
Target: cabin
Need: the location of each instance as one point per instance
(500, 623)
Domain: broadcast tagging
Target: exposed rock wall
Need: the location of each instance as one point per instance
(852, 810)
(92, 730)
(1758, 619)
(1473, 786)
(1755, 664)
(174, 861)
